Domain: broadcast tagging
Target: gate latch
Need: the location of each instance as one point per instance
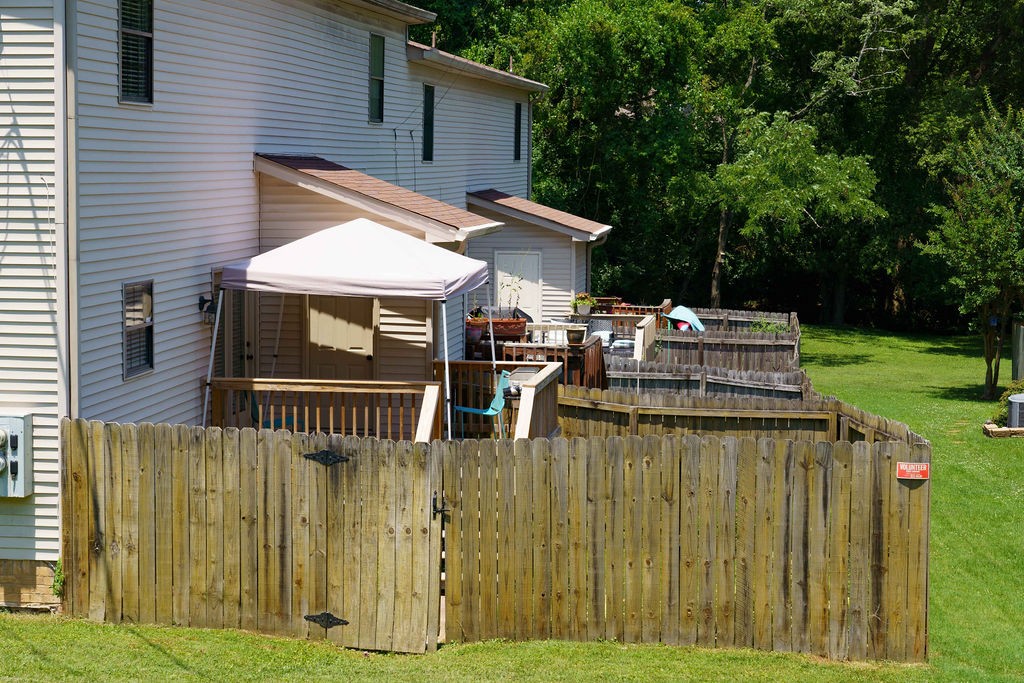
(325, 620)
(444, 505)
(326, 457)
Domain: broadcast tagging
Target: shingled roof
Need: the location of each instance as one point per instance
(516, 207)
(386, 197)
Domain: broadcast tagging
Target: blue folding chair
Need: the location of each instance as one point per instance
(493, 410)
(278, 423)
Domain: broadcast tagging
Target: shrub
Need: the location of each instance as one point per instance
(1003, 411)
(769, 326)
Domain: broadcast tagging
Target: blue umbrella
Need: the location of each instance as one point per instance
(684, 314)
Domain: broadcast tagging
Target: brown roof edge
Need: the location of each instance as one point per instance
(379, 196)
(439, 59)
(399, 10)
(538, 214)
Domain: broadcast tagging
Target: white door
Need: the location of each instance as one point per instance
(519, 283)
(340, 337)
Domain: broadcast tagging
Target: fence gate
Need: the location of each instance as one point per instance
(300, 535)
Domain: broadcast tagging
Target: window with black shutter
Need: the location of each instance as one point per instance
(376, 78)
(428, 122)
(517, 145)
(136, 74)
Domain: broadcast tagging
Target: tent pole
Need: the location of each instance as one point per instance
(277, 348)
(490, 329)
(213, 351)
(447, 373)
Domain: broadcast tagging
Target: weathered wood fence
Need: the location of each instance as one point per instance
(777, 545)
(628, 374)
(739, 320)
(238, 529)
(737, 350)
(591, 412)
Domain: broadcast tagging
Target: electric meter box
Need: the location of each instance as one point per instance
(15, 455)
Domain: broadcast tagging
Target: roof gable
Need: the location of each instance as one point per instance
(578, 228)
(443, 221)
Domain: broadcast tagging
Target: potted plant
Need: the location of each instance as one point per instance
(475, 323)
(582, 303)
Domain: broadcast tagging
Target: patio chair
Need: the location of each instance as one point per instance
(493, 410)
(278, 423)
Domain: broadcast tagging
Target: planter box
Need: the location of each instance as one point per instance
(503, 327)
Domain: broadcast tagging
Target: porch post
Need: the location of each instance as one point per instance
(213, 350)
(490, 327)
(447, 373)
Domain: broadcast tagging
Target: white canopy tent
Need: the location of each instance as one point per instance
(360, 258)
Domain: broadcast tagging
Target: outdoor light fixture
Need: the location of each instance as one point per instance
(208, 308)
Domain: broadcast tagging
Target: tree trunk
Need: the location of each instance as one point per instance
(724, 221)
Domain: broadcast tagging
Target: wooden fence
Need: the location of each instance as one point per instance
(736, 350)
(237, 529)
(740, 321)
(626, 374)
(777, 545)
(781, 544)
(590, 412)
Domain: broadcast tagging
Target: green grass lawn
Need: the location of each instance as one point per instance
(977, 569)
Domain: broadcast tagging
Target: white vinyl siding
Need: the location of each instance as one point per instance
(168, 191)
(556, 275)
(30, 227)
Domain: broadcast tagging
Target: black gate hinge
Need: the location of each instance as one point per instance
(325, 620)
(326, 457)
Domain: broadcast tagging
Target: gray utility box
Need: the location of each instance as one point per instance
(15, 455)
(1017, 350)
(1015, 418)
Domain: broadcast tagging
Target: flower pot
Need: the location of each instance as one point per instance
(583, 309)
(474, 334)
(575, 336)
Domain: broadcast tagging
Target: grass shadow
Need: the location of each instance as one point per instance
(967, 347)
(160, 650)
(834, 360)
(971, 394)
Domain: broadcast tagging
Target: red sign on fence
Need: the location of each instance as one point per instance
(913, 470)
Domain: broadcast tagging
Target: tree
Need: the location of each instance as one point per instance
(981, 233)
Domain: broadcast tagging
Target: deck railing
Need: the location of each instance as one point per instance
(387, 410)
(474, 384)
(582, 364)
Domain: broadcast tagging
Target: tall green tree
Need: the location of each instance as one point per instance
(981, 234)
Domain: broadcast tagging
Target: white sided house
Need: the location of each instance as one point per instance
(146, 143)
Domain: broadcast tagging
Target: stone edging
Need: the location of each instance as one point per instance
(992, 430)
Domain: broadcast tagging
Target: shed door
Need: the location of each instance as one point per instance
(518, 275)
(340, 337)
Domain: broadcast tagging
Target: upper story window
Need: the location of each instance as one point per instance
(517, 146)
(376, 78)
(428, 122)
(136, 47)
(138, 328)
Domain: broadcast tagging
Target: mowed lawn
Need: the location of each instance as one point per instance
(977, 570)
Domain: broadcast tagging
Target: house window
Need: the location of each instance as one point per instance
(517, 150)
(376, 78)
(136, 21)
(428, 123)
(138, 328)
